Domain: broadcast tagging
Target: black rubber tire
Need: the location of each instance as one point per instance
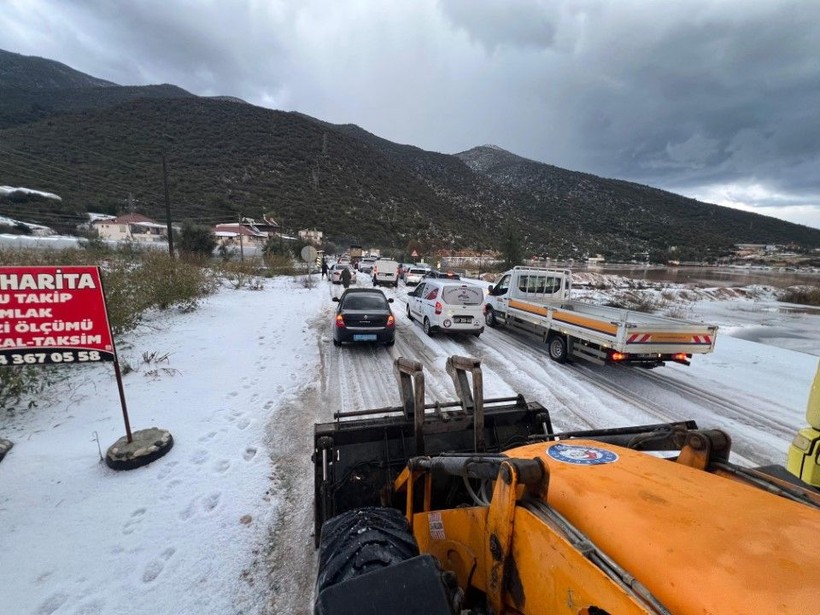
(489, 318)
(337, 343)
(557, 348)
(477, 333)
(427, 328)
(361, 541)
(409, 315)
(390, 343)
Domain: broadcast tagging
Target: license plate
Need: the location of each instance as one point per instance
(364, 337)
(463, 319)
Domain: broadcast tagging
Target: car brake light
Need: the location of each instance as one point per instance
(619, 356)
(391, 321)
(438, 307)
(340, 321)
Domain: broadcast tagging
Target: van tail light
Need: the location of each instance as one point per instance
(391, 321)
(340, 321)
(438, 307)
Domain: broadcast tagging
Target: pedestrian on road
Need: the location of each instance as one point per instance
(346, 277)
(324, 269)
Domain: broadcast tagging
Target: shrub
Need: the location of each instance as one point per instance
(238, 273)
(167, 282)
(196, 241)
(18, 382)
(805, 295)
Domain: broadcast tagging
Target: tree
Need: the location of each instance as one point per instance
(511, 247)
(196, 240)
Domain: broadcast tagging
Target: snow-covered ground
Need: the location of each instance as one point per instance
(222, 523)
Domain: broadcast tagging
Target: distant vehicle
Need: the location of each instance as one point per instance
(364, 315)
(414, 275)
(335, 273)
(356, 253)
(437, 273)
(447, 306)
(385, 272)
(366, 264)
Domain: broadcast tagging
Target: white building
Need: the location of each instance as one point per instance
(135, 227)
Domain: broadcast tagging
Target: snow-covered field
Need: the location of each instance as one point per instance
(222, 524)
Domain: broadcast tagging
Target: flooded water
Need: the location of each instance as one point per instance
(712, 276)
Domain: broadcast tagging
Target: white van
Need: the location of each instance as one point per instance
(385, 272)
(447, 306)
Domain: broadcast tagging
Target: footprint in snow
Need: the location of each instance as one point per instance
(52, 603)
(200, 456)
(169, 490)
(211, 501)
(95, 607)
(222, 466)
(208, 437)
(165, 470)
(249, 453)
(155, 567)
(134, 521)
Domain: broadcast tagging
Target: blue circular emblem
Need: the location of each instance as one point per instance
(581, 455)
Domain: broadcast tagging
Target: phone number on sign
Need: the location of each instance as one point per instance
(63, 356)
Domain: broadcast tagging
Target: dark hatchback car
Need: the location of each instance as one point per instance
(364, 315)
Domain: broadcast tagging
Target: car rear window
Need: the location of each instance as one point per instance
(364, 302)
(417, 270)
(463, 295)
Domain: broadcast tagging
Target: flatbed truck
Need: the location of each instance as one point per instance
(538, 301)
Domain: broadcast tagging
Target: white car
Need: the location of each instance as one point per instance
(335, 273)
(447, 306)
(414, 275)
(366, 264)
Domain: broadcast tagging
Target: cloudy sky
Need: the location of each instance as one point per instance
(714, 99)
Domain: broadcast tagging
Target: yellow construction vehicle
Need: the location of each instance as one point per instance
(804, 453)
(478, 507)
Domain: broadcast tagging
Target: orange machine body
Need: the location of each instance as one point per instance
(697, 543)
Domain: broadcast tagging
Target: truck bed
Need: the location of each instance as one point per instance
(622, 330)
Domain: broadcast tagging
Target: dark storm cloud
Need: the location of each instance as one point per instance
(523, 23)
(712, 98)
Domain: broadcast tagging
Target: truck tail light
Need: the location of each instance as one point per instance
(619, 356)
(340, 321)
(439, 307)
(679, 356)
(391, 321)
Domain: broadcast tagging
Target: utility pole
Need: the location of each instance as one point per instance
(170, 229)
(241, 248)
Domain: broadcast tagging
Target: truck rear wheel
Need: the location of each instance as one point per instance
(361, 541)
(557, 348)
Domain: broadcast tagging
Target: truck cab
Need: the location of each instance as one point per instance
(538, 285)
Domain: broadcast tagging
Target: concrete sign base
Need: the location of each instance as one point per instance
(5, 447)
(146, 446)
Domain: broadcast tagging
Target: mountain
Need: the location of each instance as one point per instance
(33, 73)
(101, 146)
(34, 88)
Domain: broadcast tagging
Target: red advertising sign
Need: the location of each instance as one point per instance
(53, 315)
